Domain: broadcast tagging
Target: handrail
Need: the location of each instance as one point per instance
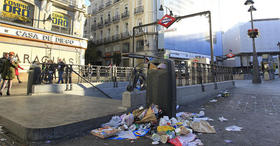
(108, 96)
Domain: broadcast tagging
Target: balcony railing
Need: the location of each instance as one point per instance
(125, 15)
(108, 22)
(108, 3)
(116, 18)
(107, 39)
(139, 10)
(116, 37)
(94, 27)
(125, 35)
(100, 41)
(115, 1)
(100, 25)
(101, 7)
(68, 2)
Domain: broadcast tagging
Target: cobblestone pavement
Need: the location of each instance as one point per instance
(256, 108)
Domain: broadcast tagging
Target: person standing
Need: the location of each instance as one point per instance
(8, 73)
(2, 60)
(17, 74)
(60, 68)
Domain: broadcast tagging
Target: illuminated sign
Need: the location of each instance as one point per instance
(17, 11)
(60, 20)
(166, 21)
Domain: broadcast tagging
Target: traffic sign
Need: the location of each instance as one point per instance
(230, 55)
(166, 20)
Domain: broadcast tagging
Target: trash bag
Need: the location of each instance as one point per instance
(202, 127)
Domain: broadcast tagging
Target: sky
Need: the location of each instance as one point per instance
(225, 13)
(87, 2)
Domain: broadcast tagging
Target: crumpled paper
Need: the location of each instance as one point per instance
(202, 127)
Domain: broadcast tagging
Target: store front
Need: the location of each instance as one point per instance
(30, 44)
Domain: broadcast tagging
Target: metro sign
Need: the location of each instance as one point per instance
(166, 21)
(230, 55)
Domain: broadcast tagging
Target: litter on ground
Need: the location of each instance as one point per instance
(234, 128)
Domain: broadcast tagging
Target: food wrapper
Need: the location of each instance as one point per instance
(104, 132)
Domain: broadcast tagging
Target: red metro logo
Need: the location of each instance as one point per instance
(166, 21)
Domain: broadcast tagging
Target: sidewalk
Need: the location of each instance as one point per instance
(255, 108)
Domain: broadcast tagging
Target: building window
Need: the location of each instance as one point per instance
(140, 45)
(61, 23)
(101, 34)
(117, 29)
(125, 48)
(139, 3)
(126, 27)
(22, 15)
(126, 8)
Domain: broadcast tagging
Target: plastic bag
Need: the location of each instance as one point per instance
(114, 122)
(182, 140)
(126, 135)
(233, 128)
(202, 127)
(128, 119)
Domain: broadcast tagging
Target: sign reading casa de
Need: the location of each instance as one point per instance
(43, 37)
(16, 11)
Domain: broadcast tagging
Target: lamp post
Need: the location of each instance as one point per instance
(278, 44)
(256, 74)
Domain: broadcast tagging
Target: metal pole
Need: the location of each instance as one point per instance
(211, 38)
(256, 74)
(133, 39)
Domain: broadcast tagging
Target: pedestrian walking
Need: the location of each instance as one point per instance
(17, 73)
(50, 70)
(60, 68)
(2, 60)
(8, 73)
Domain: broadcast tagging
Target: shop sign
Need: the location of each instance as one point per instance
(17, 11)
(60, 20)
(43, 37)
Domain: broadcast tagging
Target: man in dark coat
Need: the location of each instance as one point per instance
(8, 73)
(2, 60)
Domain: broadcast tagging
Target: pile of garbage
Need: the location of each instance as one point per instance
(150, 122)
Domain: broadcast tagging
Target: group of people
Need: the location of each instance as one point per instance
(8, 71)
(49, 71)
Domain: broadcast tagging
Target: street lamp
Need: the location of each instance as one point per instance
(170, 11)
(256, 74)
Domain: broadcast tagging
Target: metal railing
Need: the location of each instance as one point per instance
(68, 2)
(125, 15)
(116, 18)
(139, 9)
(100, 25)
(198, 73)
(108, 3)
(115, 1)
(116, 37)
(186, 74)
(108, 21)
(125, 35)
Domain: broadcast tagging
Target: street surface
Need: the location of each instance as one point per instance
(255, 108)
